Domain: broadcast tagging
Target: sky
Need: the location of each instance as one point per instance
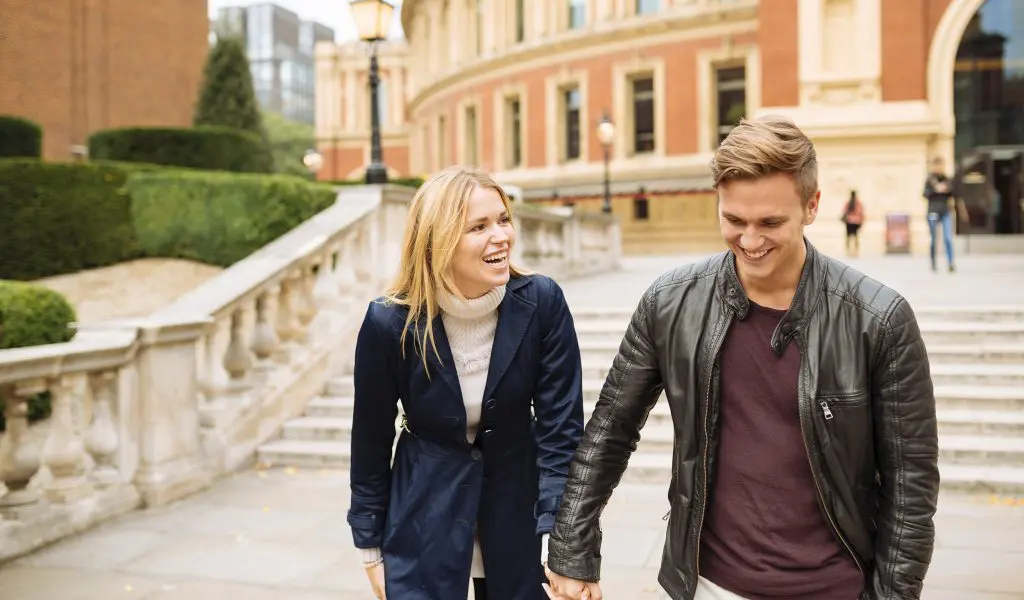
(332, 13)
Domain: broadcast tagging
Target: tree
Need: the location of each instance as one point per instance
(227, 97)
(289, 141)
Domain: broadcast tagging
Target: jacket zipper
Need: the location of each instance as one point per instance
(814, 475)
(707, 442)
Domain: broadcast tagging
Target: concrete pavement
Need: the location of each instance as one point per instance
(281, 535)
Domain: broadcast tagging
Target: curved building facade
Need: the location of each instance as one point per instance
(520, 86)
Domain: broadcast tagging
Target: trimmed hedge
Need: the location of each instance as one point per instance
(208, 147)
(413, 182)
(219, 218)
(62, 218)
(32, 315)
(20, 138)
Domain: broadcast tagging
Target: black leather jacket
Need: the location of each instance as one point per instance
(867, 411)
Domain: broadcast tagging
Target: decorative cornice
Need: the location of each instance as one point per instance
(639, 29)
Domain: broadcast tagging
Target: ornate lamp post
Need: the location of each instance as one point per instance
(373, 18)
(606, 133)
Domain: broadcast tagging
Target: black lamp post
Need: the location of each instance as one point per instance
(373, 18)
(606, 133)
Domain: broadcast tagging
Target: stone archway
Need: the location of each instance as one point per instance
(941, 63)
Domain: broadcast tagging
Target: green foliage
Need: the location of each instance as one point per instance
(31, 315)
(213, 148)
(289, 141)
(413, 182)
(219, 218)
(68, 217)
(20, 137)
(227, 97)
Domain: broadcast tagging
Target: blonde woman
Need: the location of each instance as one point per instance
(485, 361)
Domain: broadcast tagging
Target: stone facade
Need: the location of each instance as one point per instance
(76, 67)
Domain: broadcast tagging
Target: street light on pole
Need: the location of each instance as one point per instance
(314, 161)
(373, 18)
(606, 133)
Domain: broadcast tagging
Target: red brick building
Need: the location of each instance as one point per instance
(81, 65)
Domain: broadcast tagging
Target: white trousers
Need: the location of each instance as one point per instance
(707, 590)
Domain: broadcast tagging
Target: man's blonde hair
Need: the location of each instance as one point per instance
(436, 222)
(769, 144)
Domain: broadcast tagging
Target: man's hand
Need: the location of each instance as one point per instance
(566, 588)
(376, 576)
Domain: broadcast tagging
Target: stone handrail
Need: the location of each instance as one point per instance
(145, 411)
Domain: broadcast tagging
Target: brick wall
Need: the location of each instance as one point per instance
(75, 66)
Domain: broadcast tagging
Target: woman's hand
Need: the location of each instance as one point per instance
(376, 575)
(565, 588)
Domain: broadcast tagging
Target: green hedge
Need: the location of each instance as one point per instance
(62, 218)
(20, 138)
(32, 315)
(413, 182)
(208, 147)
(219, 218)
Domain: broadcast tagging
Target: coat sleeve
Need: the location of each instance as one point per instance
(373, 430)
(557, 404)
(632, 388)
(906, 446)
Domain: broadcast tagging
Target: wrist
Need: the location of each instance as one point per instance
(370, 556)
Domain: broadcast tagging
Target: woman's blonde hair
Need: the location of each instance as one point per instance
(766, 145)
(436, 223)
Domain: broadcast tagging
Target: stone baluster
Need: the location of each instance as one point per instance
(264, 339)
(237, 361)
(19, 461)
(348, 283)
(101, 439)
(64, 451)
(285, 323)
(306, 309)
(325, 289)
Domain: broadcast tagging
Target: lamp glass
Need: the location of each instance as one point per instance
(372, 18)
(606, 131)
(313, 161)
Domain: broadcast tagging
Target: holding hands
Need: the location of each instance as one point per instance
(565, 588)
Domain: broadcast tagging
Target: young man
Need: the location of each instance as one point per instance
(938, 191)
(805, 454)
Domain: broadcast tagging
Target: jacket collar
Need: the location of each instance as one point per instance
(808, 294)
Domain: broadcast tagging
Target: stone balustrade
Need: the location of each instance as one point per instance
(145, 411)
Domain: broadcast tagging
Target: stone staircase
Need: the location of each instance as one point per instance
(977, 365)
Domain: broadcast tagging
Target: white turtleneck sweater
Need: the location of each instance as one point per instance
(469, 325)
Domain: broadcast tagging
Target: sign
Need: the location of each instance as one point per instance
(897, 233)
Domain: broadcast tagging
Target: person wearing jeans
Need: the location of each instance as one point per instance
(938, 191)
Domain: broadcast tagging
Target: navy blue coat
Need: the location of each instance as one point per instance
(422, 509)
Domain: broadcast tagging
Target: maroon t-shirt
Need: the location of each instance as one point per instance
(764, 533)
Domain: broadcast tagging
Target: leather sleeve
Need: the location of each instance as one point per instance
(631, 389)
(557, 404)
(374, 413)
(906, 446)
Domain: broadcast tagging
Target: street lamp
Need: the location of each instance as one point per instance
(373, 19)
(606, 133)
(313, 161)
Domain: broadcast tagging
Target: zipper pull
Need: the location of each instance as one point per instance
(665, 518)
(825, 409)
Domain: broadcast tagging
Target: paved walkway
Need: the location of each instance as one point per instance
(281, 535)
(981, 280)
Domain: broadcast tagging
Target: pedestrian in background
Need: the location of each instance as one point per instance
(853, 216)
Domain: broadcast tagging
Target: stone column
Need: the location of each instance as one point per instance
(171, 461)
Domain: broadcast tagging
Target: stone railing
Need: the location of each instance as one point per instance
(149, 410)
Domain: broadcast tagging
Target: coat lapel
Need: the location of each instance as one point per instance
(447, 367)
(514, 315)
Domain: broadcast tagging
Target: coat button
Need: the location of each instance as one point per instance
(476, 454)
(490, 404)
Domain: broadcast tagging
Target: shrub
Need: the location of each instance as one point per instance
(214, 148)
(218, 218)
(413, 182)
(69, 217)
(32, 315)
(226, 97)
(20, 138)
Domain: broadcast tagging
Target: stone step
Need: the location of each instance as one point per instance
(996, 313)
(330, 406)
(942, 373)
(933, 332)
(309, 454)
(319, 428)
(342, 385)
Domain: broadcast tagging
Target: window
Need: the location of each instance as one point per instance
(643, 115)
(442, 146)
(577, 13)
(520, 21)
(646, 7)
(731, 92)
(641, 209)
(471, 150)
(515, 131)
(572, 123)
